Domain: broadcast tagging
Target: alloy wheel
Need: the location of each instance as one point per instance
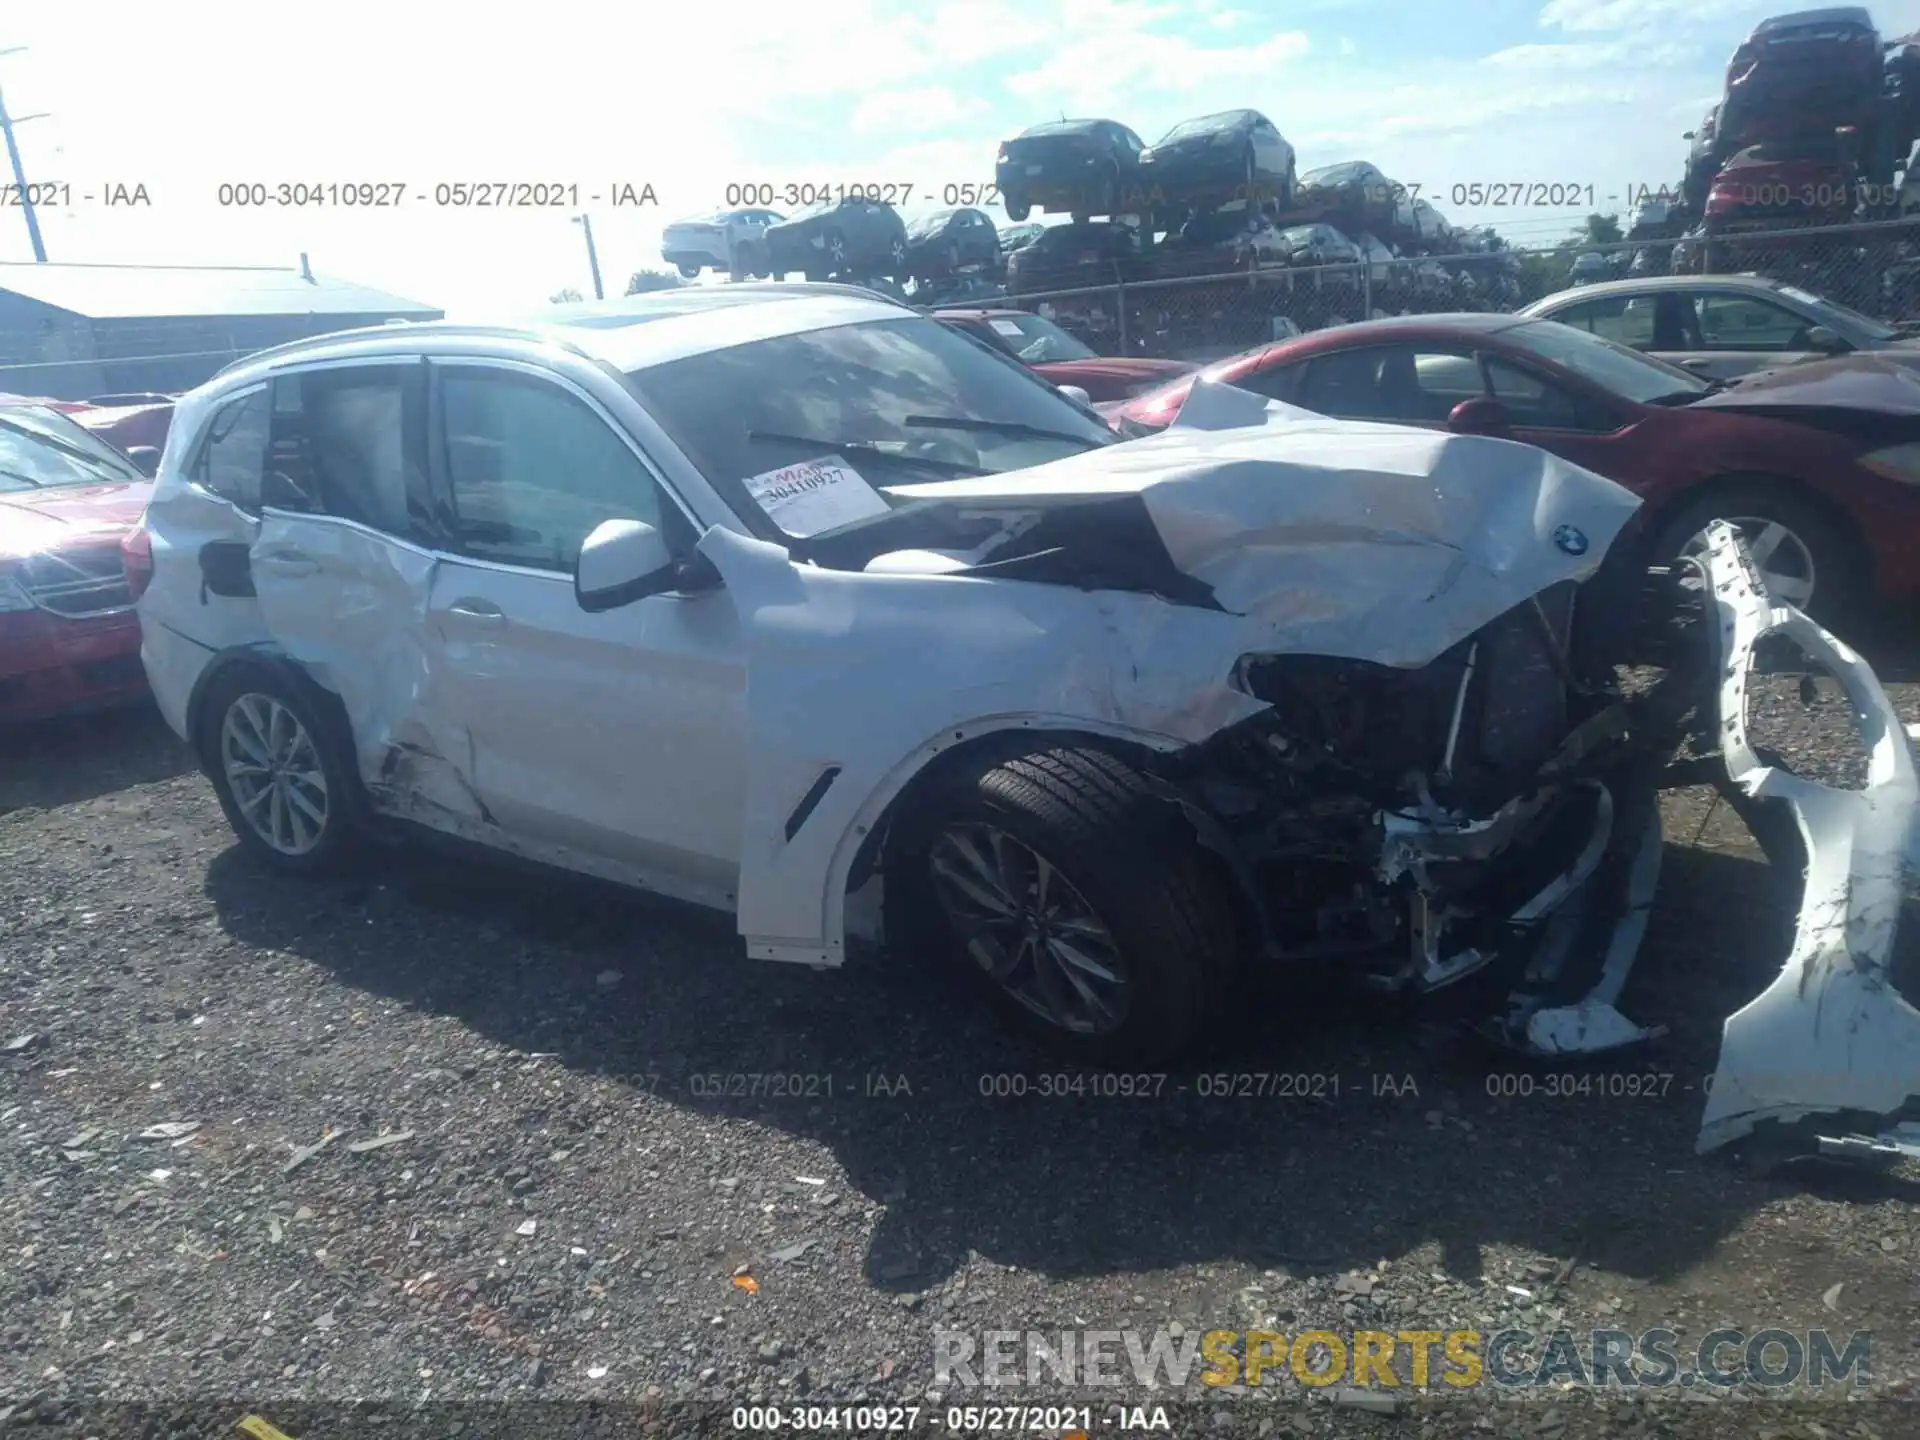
(1785, 563)
(273, 769)
(1029, 928)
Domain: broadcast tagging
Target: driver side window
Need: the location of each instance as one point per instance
(1740, 322)
(533, 470)
(1537, 403)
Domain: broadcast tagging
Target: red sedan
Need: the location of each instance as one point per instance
(1808, 462)
(69, 638)
(1054, 355)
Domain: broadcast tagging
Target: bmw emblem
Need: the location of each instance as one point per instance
(1570, 539)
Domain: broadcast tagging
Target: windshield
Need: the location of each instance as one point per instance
(1840, 317)
(930, 224)
(1343, 174)
(1034, 340)
(1204, 125)
(1217, 225)
(41, 448)
(882, 402)
(1614, 368)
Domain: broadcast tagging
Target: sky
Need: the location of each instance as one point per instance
(689, 101)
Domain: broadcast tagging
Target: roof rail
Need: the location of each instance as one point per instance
(385, 331)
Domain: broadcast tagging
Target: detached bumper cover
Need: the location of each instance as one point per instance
(1830, 1047)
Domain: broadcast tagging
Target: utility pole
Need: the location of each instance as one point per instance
(585, 222)
(7, 123)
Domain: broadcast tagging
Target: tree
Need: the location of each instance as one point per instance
(568, 296)
(1602, 230)
(643, 281)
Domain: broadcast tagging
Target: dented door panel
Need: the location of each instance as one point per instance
(349, 604)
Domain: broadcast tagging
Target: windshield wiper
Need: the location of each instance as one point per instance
(858, 447)
(24, 479)
(1003, 427)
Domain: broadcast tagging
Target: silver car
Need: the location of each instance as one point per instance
(1723, 326)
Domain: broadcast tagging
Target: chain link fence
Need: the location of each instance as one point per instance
(1872, 268)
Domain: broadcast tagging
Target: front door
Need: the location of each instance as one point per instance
(618, 735)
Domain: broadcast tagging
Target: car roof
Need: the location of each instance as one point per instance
(1652, 283)
(630, 333)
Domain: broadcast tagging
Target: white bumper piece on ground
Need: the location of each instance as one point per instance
(1830, 1046)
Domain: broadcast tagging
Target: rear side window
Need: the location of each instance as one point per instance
(351, 443)
(233, 456)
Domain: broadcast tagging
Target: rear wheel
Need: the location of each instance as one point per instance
(688, 271)
(283, 771)
(1017, 209)
(1075, 899)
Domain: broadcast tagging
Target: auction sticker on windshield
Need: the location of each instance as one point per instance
(815, 496)
(1006, 327)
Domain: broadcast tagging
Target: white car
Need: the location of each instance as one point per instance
(726, 240)
(795, 603)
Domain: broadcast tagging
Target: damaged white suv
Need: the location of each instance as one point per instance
(789, 601)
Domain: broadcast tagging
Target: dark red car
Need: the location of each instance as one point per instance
(1057, 357)
(1819, 465)
(1779, 184)
(132, 422)
(69, 639)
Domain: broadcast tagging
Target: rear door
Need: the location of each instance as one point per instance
(617, 736)
(343, 558)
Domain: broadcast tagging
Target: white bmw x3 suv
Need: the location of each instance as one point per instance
(790, 601)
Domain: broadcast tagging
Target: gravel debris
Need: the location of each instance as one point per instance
(540, 1189)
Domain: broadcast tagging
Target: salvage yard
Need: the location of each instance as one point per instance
(541, 1175)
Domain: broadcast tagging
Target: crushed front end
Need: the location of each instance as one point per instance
(1488, 826)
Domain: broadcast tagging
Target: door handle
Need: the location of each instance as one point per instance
(289, 562)
(478, 612)
(1695, 364)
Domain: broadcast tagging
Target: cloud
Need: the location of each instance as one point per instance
(1592, 15)
(1109, 71)
(915, 111)
(1593, 55)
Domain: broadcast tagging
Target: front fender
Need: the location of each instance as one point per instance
(855, 682)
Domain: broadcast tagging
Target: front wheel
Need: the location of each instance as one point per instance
(688, 272)
(283, 772)
(1076, 900)
(1805, 558)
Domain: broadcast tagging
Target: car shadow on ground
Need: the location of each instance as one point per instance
(1391, 1133)
(76, 757)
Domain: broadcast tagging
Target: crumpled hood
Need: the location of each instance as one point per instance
(1376, 542)
(41, 520)
(1886, 385)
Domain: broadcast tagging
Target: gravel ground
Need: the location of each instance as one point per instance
(458, 1131)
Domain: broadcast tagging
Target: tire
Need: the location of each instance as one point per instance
(897, 259)
(688, 272)
(1133, 874)
(1110, 192)
(237, 703)
(834, 254)
(1838, 560)
(1017, 210)
(953, 259)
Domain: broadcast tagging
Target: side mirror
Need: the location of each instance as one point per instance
(627, 560)
(1480, 417)
(1075, 394)
(146, 459)
(1827, 341)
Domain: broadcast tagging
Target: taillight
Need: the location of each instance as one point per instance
(136, 557)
